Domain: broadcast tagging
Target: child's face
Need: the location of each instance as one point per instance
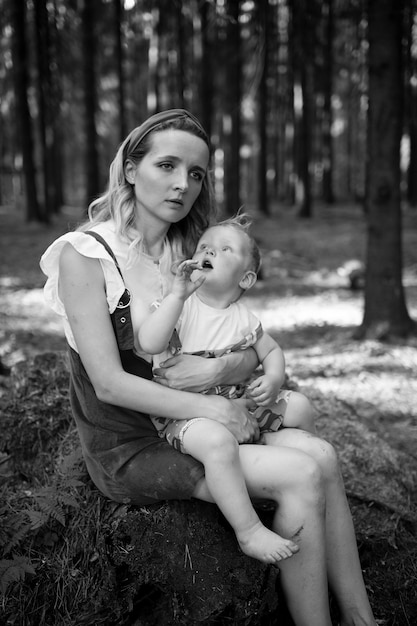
(223, 252)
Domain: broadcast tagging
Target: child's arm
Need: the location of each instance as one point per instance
(264, 389)
(156, 330)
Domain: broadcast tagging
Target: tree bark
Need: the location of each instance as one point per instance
(328, 194)
(232, 149)
(385, 309)
(303, 84)
(45, 101)
(118, 10)
(206, 82)
(90, 99)
(411, 107)
(21, 79)
(263, 113)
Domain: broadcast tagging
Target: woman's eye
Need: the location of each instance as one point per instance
(197, 176)
(166, 166)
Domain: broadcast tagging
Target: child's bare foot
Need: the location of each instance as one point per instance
(265, 545)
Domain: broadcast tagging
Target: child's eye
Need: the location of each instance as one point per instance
(203, 246)
(226, 248)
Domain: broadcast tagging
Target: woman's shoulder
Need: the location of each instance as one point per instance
(86, 246)
(80, 241)
(83, 243)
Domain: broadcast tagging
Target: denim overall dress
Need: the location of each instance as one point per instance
(125, 457)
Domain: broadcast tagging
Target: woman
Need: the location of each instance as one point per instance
(158, 202)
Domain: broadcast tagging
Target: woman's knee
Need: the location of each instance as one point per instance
(325, 456)
(307, 483)
(311, 476)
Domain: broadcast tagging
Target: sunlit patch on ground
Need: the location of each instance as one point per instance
(294, 311)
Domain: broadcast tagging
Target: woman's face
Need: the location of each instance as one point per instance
(169, 178)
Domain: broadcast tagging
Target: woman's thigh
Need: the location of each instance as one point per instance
(271, 471)
(318, 449)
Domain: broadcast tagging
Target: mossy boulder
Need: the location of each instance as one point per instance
(173, 563)
(96, 562)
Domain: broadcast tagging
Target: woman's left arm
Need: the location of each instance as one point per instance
(196, 373)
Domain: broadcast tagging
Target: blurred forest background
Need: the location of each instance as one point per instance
(305, 102)
(311, 106)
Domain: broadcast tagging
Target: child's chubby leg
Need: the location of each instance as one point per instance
(213, 445)
(291, 409)
(299, 412)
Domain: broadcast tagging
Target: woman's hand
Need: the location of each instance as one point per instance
(187, 372)
(234, 415)
(196, 373)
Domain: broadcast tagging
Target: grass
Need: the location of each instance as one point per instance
(307, 305)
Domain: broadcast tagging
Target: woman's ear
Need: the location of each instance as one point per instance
(130, 171)
(248, 280)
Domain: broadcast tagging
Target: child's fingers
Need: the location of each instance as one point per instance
(254, 384)
(188, 266)
(255, 390)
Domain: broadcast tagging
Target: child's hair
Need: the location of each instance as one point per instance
(243, 222)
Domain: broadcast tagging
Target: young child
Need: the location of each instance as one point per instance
(203, 311)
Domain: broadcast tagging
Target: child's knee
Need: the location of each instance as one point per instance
(211, 438)
(301, 412)
(221, 439)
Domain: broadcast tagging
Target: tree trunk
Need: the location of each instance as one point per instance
(305, 139)
(45, 103)
(290, 134)
(55, 90)
(206, 82)
(385, 309)
(233, 130)
(90, 99)
(20, 61)
(263, 113)
(118, 10)
(328, 195)
(411, 108)
(303, 94)
(180, 67)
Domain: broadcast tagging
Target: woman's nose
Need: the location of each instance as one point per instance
(181, 183)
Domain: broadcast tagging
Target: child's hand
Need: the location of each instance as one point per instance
(183, 286)
(264, 390)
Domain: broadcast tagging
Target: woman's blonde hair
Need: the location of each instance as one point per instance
(118, 202)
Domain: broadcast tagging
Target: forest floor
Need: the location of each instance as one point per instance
(304, 299)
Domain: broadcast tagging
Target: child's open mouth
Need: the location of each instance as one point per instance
(206, 265)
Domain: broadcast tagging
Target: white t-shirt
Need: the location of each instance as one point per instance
(202, 328)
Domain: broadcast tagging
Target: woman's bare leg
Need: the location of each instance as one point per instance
(344, 568)
(213, 445)
(292, 479)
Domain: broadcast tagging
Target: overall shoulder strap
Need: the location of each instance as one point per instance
(104, 243)
(121, 316)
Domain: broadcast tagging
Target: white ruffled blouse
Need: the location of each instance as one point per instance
(147, 279)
